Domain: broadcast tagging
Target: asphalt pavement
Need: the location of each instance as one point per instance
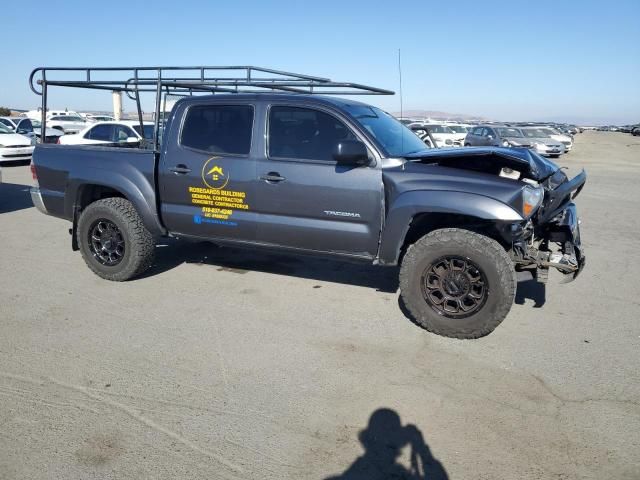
(223, 363)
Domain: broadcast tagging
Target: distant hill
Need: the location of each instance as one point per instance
(437, 115)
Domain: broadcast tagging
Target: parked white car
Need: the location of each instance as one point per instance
(442, 134)
(14, 147)
(98, 118)
(127, 131)
(31, 128)
(62, 113)
(69, 124)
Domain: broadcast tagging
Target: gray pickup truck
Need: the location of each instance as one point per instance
(326, 176)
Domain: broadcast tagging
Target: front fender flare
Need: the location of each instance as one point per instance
(409, 204)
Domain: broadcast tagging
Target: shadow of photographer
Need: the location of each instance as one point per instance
(383, 441)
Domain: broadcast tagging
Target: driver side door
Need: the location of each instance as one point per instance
(305, 199)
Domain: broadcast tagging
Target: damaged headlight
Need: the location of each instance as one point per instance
(531, 199)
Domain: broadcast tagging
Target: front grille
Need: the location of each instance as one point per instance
(16, 146)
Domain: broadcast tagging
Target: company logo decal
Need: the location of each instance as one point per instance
(215, 203)
(213, 174)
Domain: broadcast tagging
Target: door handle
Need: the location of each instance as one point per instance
(272, 177)
(180, 169)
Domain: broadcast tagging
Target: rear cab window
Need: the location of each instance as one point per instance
(224, 129)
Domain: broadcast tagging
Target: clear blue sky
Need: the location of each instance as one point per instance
(574, 60)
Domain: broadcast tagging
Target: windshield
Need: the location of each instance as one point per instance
(548, 131)
(5, 129)
(458, 128)
(36, 123)
(394, 137)
(534, 132)
(148, 131)
(509, 132)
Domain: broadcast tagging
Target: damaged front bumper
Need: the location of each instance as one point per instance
(552, 238)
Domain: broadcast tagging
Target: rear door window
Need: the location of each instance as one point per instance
(218, 129)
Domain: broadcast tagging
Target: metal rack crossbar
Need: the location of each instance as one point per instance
(189, 80)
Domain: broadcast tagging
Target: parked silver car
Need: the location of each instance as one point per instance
(542, 143)
(67, 123)
(495, 136)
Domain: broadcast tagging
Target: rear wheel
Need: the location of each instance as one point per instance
(457, 283)
(113, 240)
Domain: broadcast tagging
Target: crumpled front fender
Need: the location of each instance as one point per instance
(405, 207)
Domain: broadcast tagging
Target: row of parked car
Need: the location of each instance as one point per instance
(547, 140)
(632, 129)
(19, 135)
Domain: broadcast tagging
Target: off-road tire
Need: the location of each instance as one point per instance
(489, 256)
(139, 243)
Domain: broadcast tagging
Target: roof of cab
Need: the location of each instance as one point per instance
(272, 97)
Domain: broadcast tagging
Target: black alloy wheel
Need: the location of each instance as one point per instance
(454, 287)
(106, 242)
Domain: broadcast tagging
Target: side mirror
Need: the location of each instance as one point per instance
(132, 140)
(351, 152)
(490, 137)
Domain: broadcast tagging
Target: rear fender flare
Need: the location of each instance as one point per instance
(409, 204)
(134, 187)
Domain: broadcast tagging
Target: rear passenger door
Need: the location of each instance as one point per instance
(207, 172)
(305, 199)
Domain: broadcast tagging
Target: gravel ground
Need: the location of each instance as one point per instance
(223, 363)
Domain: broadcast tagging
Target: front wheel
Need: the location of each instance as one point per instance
(113, 241)
(457, 283)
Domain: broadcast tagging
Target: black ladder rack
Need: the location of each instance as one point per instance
(186, 81)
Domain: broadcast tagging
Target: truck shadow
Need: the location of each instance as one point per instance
(241, 261)
(532, 290)
(383, 441)
(13, 197)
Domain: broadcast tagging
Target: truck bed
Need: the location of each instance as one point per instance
(65, 172)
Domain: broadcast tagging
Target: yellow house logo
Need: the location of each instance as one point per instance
(213, 174)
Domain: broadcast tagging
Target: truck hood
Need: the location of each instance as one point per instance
(490, 160)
